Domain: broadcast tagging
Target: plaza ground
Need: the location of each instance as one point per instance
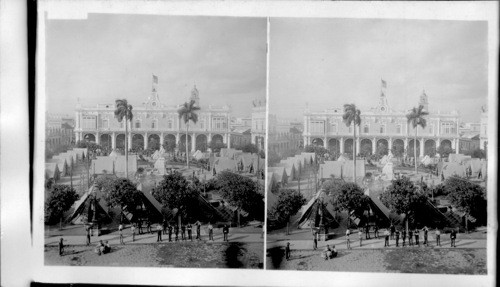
(245, 249)
(468, 257)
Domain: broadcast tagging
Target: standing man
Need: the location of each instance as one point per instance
(190, 230)
(164, 226)
(120, 231)
(393, 230)
(375, 230)
(397, 238)
(225, 231)
(176, 232)
(453, 237)
(183, 232)
(403, 236)
(198, 230)
(61, 246)
(410, 237)
(367, 231)
(426, 243)
(139, 225)
(315, 240)
(347, 239)
(159, 230)
(87, 229)
(169, 232)
(287, 251)
(438, 237)
(386, 234)
(210, 232)
(417, 235)
(132, 228)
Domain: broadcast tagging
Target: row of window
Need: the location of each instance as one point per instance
(319, 127)
(90, 122)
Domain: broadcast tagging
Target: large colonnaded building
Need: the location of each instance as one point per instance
(382, 125)
(154, 120)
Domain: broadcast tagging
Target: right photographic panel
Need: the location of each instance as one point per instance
(377, 145)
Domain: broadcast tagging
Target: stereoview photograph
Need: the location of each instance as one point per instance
(377, 146)
(154, 141)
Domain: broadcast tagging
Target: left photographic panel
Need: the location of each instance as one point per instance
(153, 148)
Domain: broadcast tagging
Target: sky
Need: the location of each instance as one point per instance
(106, 57)
(327, 63)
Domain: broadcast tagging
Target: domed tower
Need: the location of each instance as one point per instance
(424, 102)
(195, 96)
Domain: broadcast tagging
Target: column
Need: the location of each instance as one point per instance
(177, 139)
(113, 140)
(390, 144)
(161, 139)
(325, 142)
(457, 146)
(145, 141)
(193, 142)
(129, 141)
(97, 138)
(438, 143)
(406, 143)
(374, 146)
(209, 139)
(422, 145)
(341, 145)
(229, 140)
(358, 145)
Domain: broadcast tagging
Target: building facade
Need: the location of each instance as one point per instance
(258, 128)
(382, 128)
(58, 130)
(283, 136)
(154, 121)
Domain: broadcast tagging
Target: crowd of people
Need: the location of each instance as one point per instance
(412, 237)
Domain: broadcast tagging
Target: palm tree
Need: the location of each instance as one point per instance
(416, 118)
(124, 111)
(352, 116)
(188, 113)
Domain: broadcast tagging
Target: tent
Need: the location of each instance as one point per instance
(347, 168)
(52, 171)
(309, 157)
(342, 158)
(103, 165)
(66, 157)
(290, 170)
(330, 168)
(61, 165)
(247, 160)
(258, 164)
(271, 180)
(280, 174)
(120, 164)
(296, 163)
(381, 212)
(114, 153)
(84, 210)
(223, 163)
(227, 152)
(81, 151)
(318, 209)
(453, 169)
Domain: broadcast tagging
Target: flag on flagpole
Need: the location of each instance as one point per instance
(384, 84)
(155, 79)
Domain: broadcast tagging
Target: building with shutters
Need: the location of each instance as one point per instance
(382, 128)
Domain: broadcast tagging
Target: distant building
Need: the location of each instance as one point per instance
(258, 128)
(283, 136)
(58, 130)
(154, 120)
(469, 141)
(382, 127)
(483, 133)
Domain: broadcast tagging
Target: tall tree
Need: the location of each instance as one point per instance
(351, 198)
(417, 118)
(60, 200)
(241, 192)
(123, 194)
(188, 113)
(467, 197)
(352, 116)
(288, 204)
(124, 111)
(402, 197)
(175, 192)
